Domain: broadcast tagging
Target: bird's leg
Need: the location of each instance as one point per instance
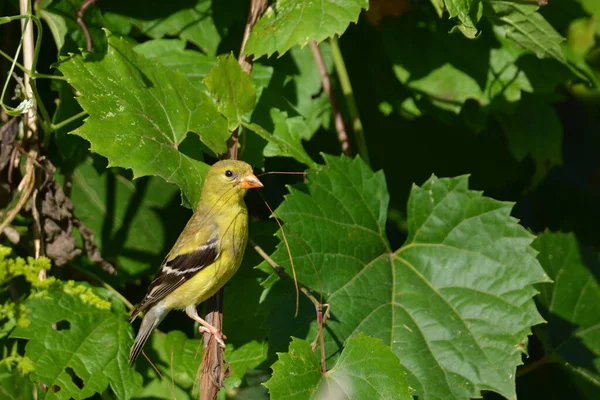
(205, 326)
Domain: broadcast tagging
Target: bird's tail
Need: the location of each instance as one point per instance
(151, 319)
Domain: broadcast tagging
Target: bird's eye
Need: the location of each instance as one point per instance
(228, 173)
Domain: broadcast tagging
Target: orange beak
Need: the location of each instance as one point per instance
(250, 181)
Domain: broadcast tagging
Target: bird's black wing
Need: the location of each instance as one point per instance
(176, 272)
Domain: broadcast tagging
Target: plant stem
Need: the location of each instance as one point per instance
(55, 127)
(337, 115)
(281, 272)
(357, 127)
(321, 317)
(534, 365)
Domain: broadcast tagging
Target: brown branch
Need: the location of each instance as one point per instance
(213, 373)
(335, 109)
(79, 16)
(321, 317)
(257, 8)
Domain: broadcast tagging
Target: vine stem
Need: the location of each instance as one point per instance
(321, 317)
(67, 121)
(534, 365)
(337, 115)
(213, 360)
(342, 72)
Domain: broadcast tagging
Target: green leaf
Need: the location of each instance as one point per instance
(286, 140)
(57, 25)
(523, 24)
(249, 355)
(457, 69)
(292, 22)
(534, 129)
(78, 348)
(232, 89)
(492, 70)
(178, 358)
(172, 54)
(365, 369)
(195, 65)
(468, 13)
(14, 386)
(134, 221)
(454, 302)
(571, 304)
(140, 112)
(190, 20)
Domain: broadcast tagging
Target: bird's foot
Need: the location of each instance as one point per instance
(217, 334)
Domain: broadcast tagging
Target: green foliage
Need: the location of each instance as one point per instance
(428, 287)
(232, 89)
(78, 346)
(140, 112)
(364, 367)
(456, 238)
(297, 22)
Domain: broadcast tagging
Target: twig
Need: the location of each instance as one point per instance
(37, 242)
(287, 247)
(82, 25)
(213, 373)
(337, 115)
(357, 127)
(534, 365)
(321, 317)
(26, 187)
(257, 8)
(213, 358)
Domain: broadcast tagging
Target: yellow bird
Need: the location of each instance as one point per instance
(206, 255)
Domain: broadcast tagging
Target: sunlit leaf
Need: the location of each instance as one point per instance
(365, 369)
(232, 89)
(78, 347)
(140, 112)
(291, 22)
(454, 303)
(522, 23)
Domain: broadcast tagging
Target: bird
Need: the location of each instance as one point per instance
(206, 255)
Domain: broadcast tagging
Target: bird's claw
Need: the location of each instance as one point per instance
(219, 337)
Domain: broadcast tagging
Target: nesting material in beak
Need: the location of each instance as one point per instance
(250, 182)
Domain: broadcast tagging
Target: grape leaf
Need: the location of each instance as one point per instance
(172, 54)
(195, 65)
(365, 369)
(14, 386)
(524, 25)
(191, 20)
(468, 13)
(77, 347)
(571, 304)
(292, 22)
(232, 89)
(286, 141)
(140, 112)
(57, 25)
(458, 69)
(249, 355)
(534, 129)
(454, 302)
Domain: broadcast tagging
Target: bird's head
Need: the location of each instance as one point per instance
(228, 180)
